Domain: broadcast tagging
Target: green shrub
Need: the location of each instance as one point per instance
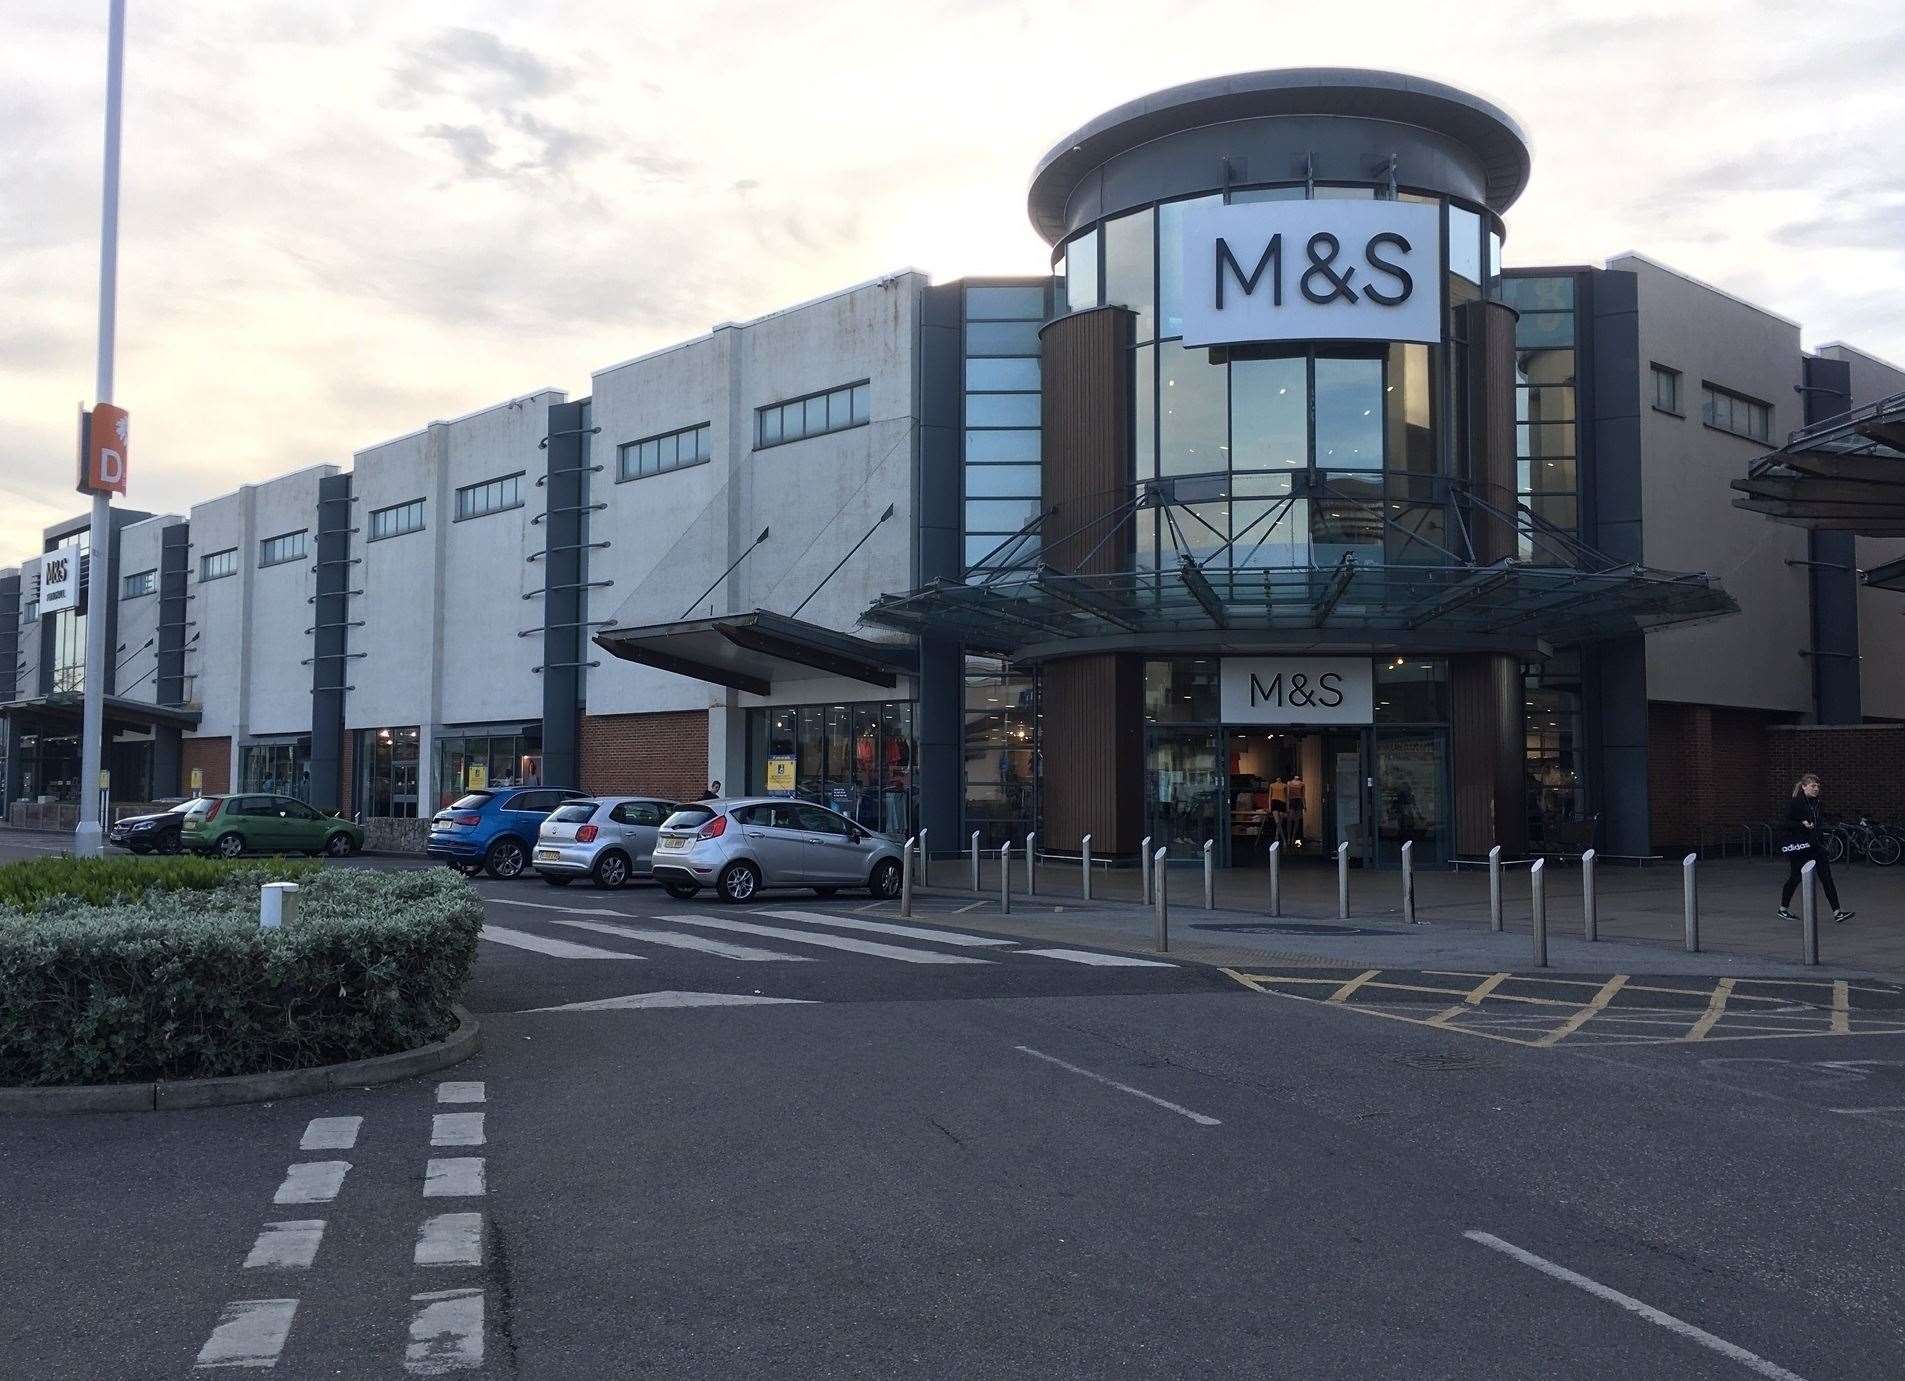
(180, 983)
(30, 885)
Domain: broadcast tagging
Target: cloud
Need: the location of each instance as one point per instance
(1874, 223)
(473, 59)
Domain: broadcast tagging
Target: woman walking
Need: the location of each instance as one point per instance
(1802, 847)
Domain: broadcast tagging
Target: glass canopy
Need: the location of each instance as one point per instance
(1846, 474)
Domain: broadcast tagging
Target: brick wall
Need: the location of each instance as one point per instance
(213, 757)
(665, 754)
(1861, 767)
(1708, 765)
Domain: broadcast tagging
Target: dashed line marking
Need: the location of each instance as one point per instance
(446, 1334)
(291, 1245)
(331, 1134)
(453, 1177)
(456, 1129)
(451, 1239)
(461, 1091)
(312, 1182)
(249, 1333)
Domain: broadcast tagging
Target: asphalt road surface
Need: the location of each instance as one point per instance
(807, 1138)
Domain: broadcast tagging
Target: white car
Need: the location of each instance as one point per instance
(609, 839)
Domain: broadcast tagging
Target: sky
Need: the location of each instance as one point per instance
(343, 219)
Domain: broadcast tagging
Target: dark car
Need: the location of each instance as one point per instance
(157, 833)
(493, 829)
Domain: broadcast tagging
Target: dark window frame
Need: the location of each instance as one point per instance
(149, 584)
(270, 555)
(371, 527)
(779, 407)
(1710, 390)
(630, 449)
(462, 490)
(224, 570)
(1657, 372)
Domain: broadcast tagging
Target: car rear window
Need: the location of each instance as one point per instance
(688, 818)
(575, 812)
(476, 800)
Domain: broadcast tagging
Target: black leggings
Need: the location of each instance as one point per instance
(1823, 873)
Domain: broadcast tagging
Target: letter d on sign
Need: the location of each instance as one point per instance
(103, 451)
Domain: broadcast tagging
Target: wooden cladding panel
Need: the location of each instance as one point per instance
(1487, 744)
(1086, 369)
(1092, 723)
(1491, 335)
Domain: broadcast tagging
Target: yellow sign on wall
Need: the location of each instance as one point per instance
(478, 775)
(198, 780)
(780, 775)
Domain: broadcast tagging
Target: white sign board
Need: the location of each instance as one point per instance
(1312, 270)
(59, 578)
(1296, 690)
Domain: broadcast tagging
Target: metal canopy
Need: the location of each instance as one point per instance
(63, 707)
(1844, 474)
(1556, 593)
(750, 651)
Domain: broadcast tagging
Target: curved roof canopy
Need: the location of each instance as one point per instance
(1497, 141)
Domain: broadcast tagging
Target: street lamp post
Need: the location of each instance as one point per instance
(89, 837)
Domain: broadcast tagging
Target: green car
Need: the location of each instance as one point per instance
(234, 825)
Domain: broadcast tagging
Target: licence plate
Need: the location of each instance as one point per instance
(548, 853)
(669, 844)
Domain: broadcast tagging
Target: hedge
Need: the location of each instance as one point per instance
(179, 983)
(30, 885)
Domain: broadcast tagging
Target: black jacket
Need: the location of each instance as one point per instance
(1802, 820)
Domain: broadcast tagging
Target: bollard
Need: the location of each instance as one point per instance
(1144, 861)
(1031, 864)
(1409, 881)
(1809, 913)
(1342, 881)
(925, 860)
(1005, 878)
(906, 876)
(277, 905)
(1590, 901)
(1690, 895)
(1160, 890)
(1276, 877)
(1084, 860)
(1538, 886)
(1210, 878)
(1495, 888)
(975, 860)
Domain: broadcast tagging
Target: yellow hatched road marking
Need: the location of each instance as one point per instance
(1448, 1015)
(1716, 1007)
(1342, 993)
(1485, 987)
(1841, 1006)
(1581, 1018)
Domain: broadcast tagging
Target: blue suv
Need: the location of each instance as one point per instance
(493, 830)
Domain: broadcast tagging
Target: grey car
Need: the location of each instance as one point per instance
(740, 847)
(608, 839)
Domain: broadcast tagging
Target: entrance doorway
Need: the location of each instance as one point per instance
(1304, 790)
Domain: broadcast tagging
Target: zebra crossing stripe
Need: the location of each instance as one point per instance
(331, 1134)
(447, 1333)
(451, 1239)
(456, 1129)
(249, 1333)
(808, 937)
(453, 1177)
(290, 1245)
(649, 935)
(907, 932)
(1085, 956)
(555, 949)
(312, 1182)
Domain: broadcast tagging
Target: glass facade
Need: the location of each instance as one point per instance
(857, 759)
(1552, 720)
(386, 768)
(1001, 415)
(1001, 766)
(504, 755)
(68, 628)
(279, 767)
(1546, 453)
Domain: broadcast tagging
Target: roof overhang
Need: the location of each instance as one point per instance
(1890, 576)
(751, 651)
(121, 712)
(1845, 474)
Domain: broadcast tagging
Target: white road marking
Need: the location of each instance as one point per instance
(292, 1245)
(555, 949)
(312, 1182)
(447, 1333)
(551, 906)
(1085, 956)
(461, 1091)
(650, 935)
(456, 1129)
(331, 1134)
(451, 1239)
(453, 1177)
(962, 910)
(1199, 1118)
(249, 1333)
(1751, 1361)
(808, 937)
(905, 932)
(642, 1001)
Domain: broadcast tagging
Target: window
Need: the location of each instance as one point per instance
(1726, 411)
(637, 813)
(670, 451)
(386, 768)
(139, 583)
(1002, 417)
(396, 520)
(275, 551)
(1667, 389)
(492, 496)
(29, 612)
(799, 418)
(1081, 272)
(218, 564)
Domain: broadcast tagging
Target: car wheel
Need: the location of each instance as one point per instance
(739, 882)
(230, 845)
(611, 870)
(885, 881)
(505, 860)
(557, 881)
(681, 890)
(825, 891)
(340, 845)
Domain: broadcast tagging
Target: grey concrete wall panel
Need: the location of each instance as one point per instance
(330, 640)
(941, 397)
(566, 488)
(175, 559)
(1258, 127)
(1834, 569)
(1609, 374)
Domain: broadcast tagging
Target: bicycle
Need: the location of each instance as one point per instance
(1863, 842)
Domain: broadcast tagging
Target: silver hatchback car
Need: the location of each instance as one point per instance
(740, 847)
(609, 839)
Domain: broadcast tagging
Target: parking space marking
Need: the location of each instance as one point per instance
(1199, 1118)
(648, 935)
(290, 1245)
(312, 1182)
(461, 1091)
(905, 932)
(456, 1129)
(1752, 1361)
(450, 1239)
(446, 1334)
(453, 1177)
(331, 1134)
(249, 1333)
(555, 949)
(810, 937)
